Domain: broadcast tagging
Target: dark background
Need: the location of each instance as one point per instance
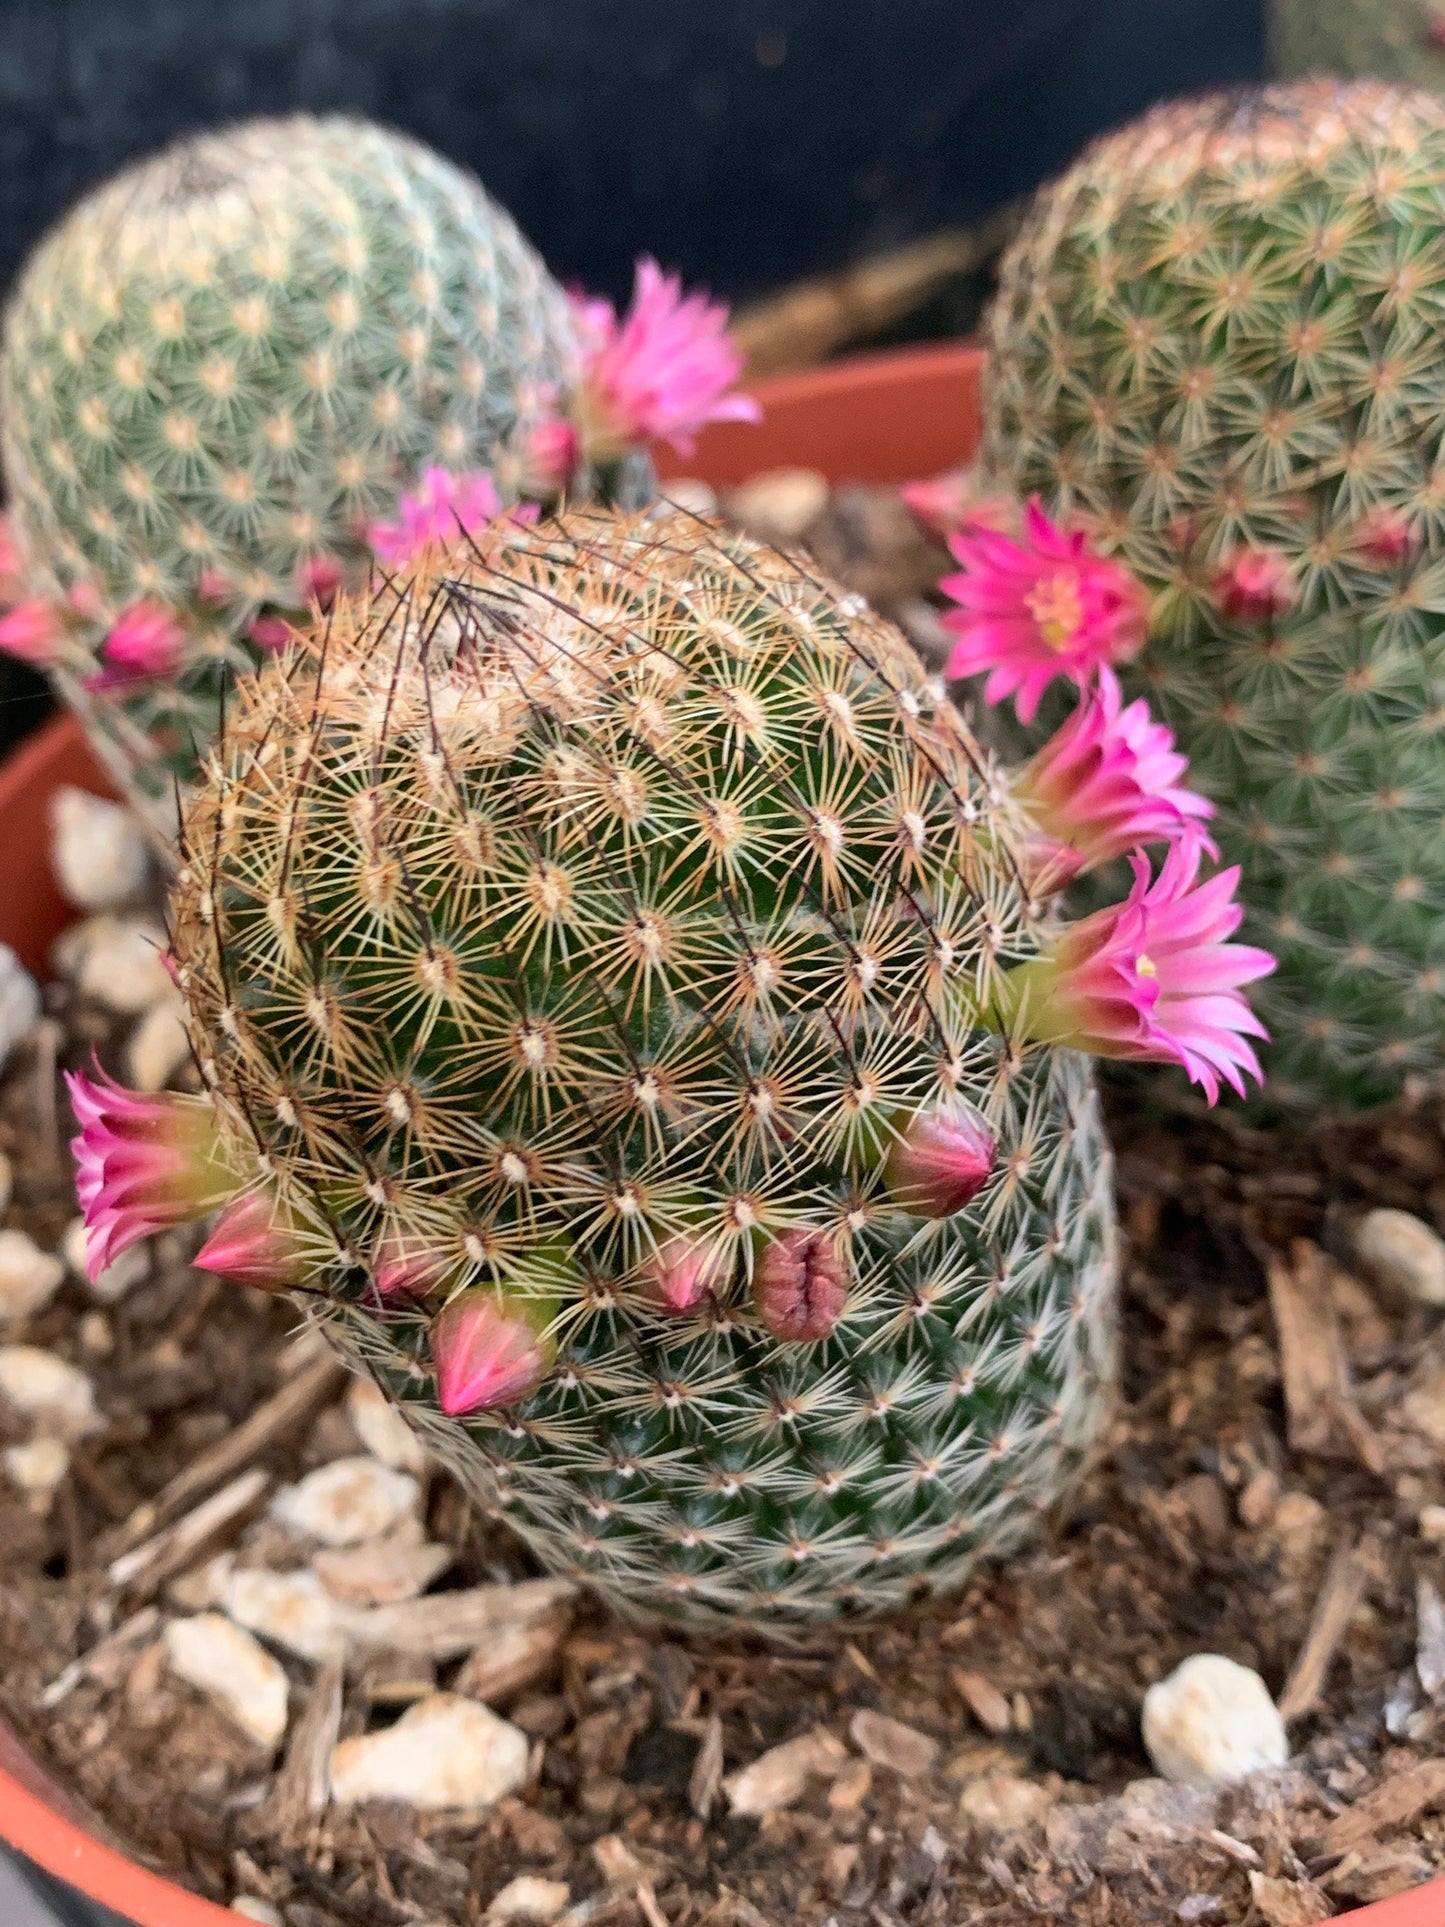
(746, 142)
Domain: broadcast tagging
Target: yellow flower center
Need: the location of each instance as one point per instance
(1146, 966)
(1055, 606)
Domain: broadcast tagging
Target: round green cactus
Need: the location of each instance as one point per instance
(589, 955)
(1218, 343)
(221, 367)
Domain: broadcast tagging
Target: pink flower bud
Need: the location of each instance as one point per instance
(318, 579)
(552, 455)
(254, 1242)
(270, 632)
(33, 632)
(946, 503)
(403, 1267)
(490, 1350)
(212, 586)
(1385, 537)
(1255, 585)
(143, 1163)
(681, 1273)
(800, 1285)
(940, 1163)
(145, 641)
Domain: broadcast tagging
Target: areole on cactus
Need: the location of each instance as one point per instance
(1216, 357)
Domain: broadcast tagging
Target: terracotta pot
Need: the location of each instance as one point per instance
(878, 418)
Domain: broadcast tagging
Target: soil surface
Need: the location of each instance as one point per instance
(1273, 1490)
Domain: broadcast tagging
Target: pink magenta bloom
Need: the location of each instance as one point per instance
(270, 632)
(1385, 537)
(1104, 784)
(33, 631)
(318, 579)
(1255, 585)
(1032, 610)
(146, 641)
(681, 1273)
(405, 1268)
(662, 373)
(946, 503)
(489, 1351)
(441, 510)
(800, 1285)
(254, 1242)
(1153, 978)
(141, 1164)
(940, 1162)
(552, 455)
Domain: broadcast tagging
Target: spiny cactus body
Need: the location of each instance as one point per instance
(587, 951)
(1359, 39)
(226, 363)
(1218, 343)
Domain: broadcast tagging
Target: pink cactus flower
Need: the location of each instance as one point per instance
(947, 503)
(552, 455)
(33, 631)
(441, 510)
(271, 633)
(489, 1351)
(1154, 978)
(142, 1163)
(1107, 782)
(1255, 585)
(681, 1273)
(318, 579)
(800, 1285)
(1386, 537)
(940, 1162)
(1033, 610)
(146, 641)
(662, 373)
(254, 1242)
(403, 1267)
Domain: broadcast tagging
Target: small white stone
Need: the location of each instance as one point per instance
(120, 966)
(159, 1045)
(19, 1001)
(381, 1572)
(1004, 1802)
(234, 1670)
(58, 1400)
(382, 1429)
(695, 497)
(293, 1609)
(781, 504)
(347, 1501)
(444, 1752)
(1432, 1524)
(250, 1908)
(1402, 1255)
(29, 1277)
(38, 1465)
(529, 1897)
(97, 850)
(202, 1587)
(1212, 1722)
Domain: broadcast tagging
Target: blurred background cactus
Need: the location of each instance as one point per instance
(218, 371)
(593, 977)
(1217, 344)
(1385, 39)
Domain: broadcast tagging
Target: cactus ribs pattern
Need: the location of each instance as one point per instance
(1218, 342)
(228, 361)
(615, 891)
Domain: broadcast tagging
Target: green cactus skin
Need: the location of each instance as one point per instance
(1223, 328)
(233, 357)
(620, 886)
(1358, 39)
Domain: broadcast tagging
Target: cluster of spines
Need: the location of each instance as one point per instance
(623, 887)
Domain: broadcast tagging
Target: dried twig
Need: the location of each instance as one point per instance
(1319, 1403)
(146, 1568)
(1343, 1588)
(303, 1784)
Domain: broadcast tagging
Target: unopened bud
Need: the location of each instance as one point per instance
(489, 1351)
(940, 1162)
(800, 1285)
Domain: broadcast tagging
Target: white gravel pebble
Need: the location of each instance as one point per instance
(347, 1501)
(1212, 1722)
(38, 1465)
(1402, 1255)
(19, 1001)
(530, 1897)
(158, 1045)
(29, 1277)
(118, 964)
(292, 1609)
(97, 850)
(443, 1753)
(233, 1669)
(58, 1400)
(382, 1429)
(250, 1908)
